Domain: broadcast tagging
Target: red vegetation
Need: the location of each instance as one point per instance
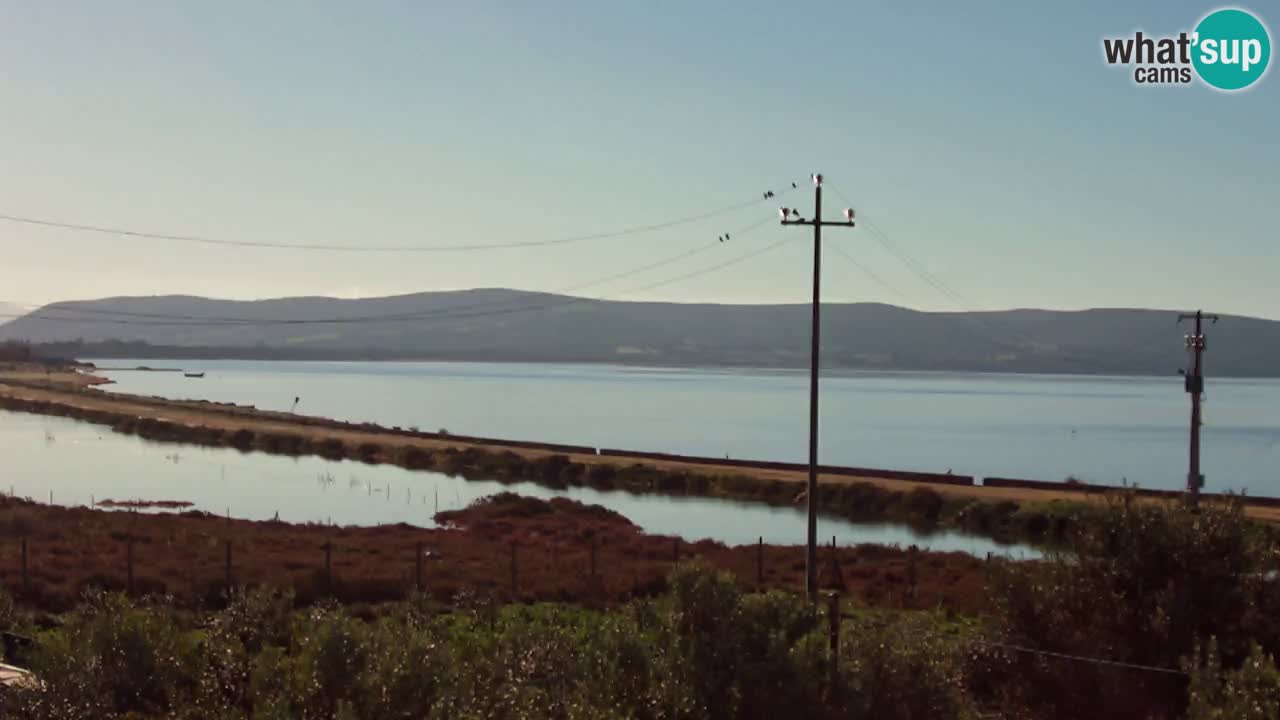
(551, 543)
(139, 504)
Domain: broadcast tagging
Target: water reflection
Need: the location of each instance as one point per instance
(89, 461)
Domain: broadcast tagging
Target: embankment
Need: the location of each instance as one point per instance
(920, 505)
(1034, 514)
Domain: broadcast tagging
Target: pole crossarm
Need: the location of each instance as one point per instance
(823, 223)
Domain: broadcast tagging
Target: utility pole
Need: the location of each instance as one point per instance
(1195, 386)
(791, 216)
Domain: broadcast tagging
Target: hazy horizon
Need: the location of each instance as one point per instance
(992, 142)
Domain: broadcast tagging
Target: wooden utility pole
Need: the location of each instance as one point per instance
(791, 216)
(1195, 387)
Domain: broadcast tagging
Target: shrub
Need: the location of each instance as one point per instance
(368, 451)
(894, 667)
(1251, 692)
(923, 506)
(1140, 584)
(327, 663)
(115, 657)
(241, 439)
(411, 457)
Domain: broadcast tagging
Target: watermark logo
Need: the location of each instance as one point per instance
(1229, 49)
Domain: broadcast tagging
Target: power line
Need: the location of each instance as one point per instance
(904, 634)
(232, 320)
(1079, 658)
(907, 258)
(675, 258)
(205, 240)
(706, 270)
(869, 272)
(449, 313)
(980, 328)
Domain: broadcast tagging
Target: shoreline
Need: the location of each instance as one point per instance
(798, 370)
(1015, 511)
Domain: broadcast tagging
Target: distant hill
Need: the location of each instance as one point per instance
(507, 325)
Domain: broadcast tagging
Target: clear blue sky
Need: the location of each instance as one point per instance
(989, 138)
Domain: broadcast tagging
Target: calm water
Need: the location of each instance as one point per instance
(1099, 429)
(80, 463)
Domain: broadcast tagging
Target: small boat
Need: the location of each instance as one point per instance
(193, 375)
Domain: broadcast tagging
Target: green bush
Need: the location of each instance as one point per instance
(1143, 583)
(116, 657)
(1251, 692)
(898, 668)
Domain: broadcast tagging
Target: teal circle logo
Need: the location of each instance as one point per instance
(1231, 49)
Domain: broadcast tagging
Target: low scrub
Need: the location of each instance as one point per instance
(706, 650)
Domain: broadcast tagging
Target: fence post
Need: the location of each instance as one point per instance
(328, 567)
(515, 587)
(417, 568)
(129, 563)
(593, 563)
(760, 561)
(26, 584)
(833, 617)
(228, 569)
(911, 574)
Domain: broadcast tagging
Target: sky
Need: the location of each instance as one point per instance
(989, 140)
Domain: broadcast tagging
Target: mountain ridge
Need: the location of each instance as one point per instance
(508, 325)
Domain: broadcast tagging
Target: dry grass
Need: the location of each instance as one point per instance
(71, 549)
